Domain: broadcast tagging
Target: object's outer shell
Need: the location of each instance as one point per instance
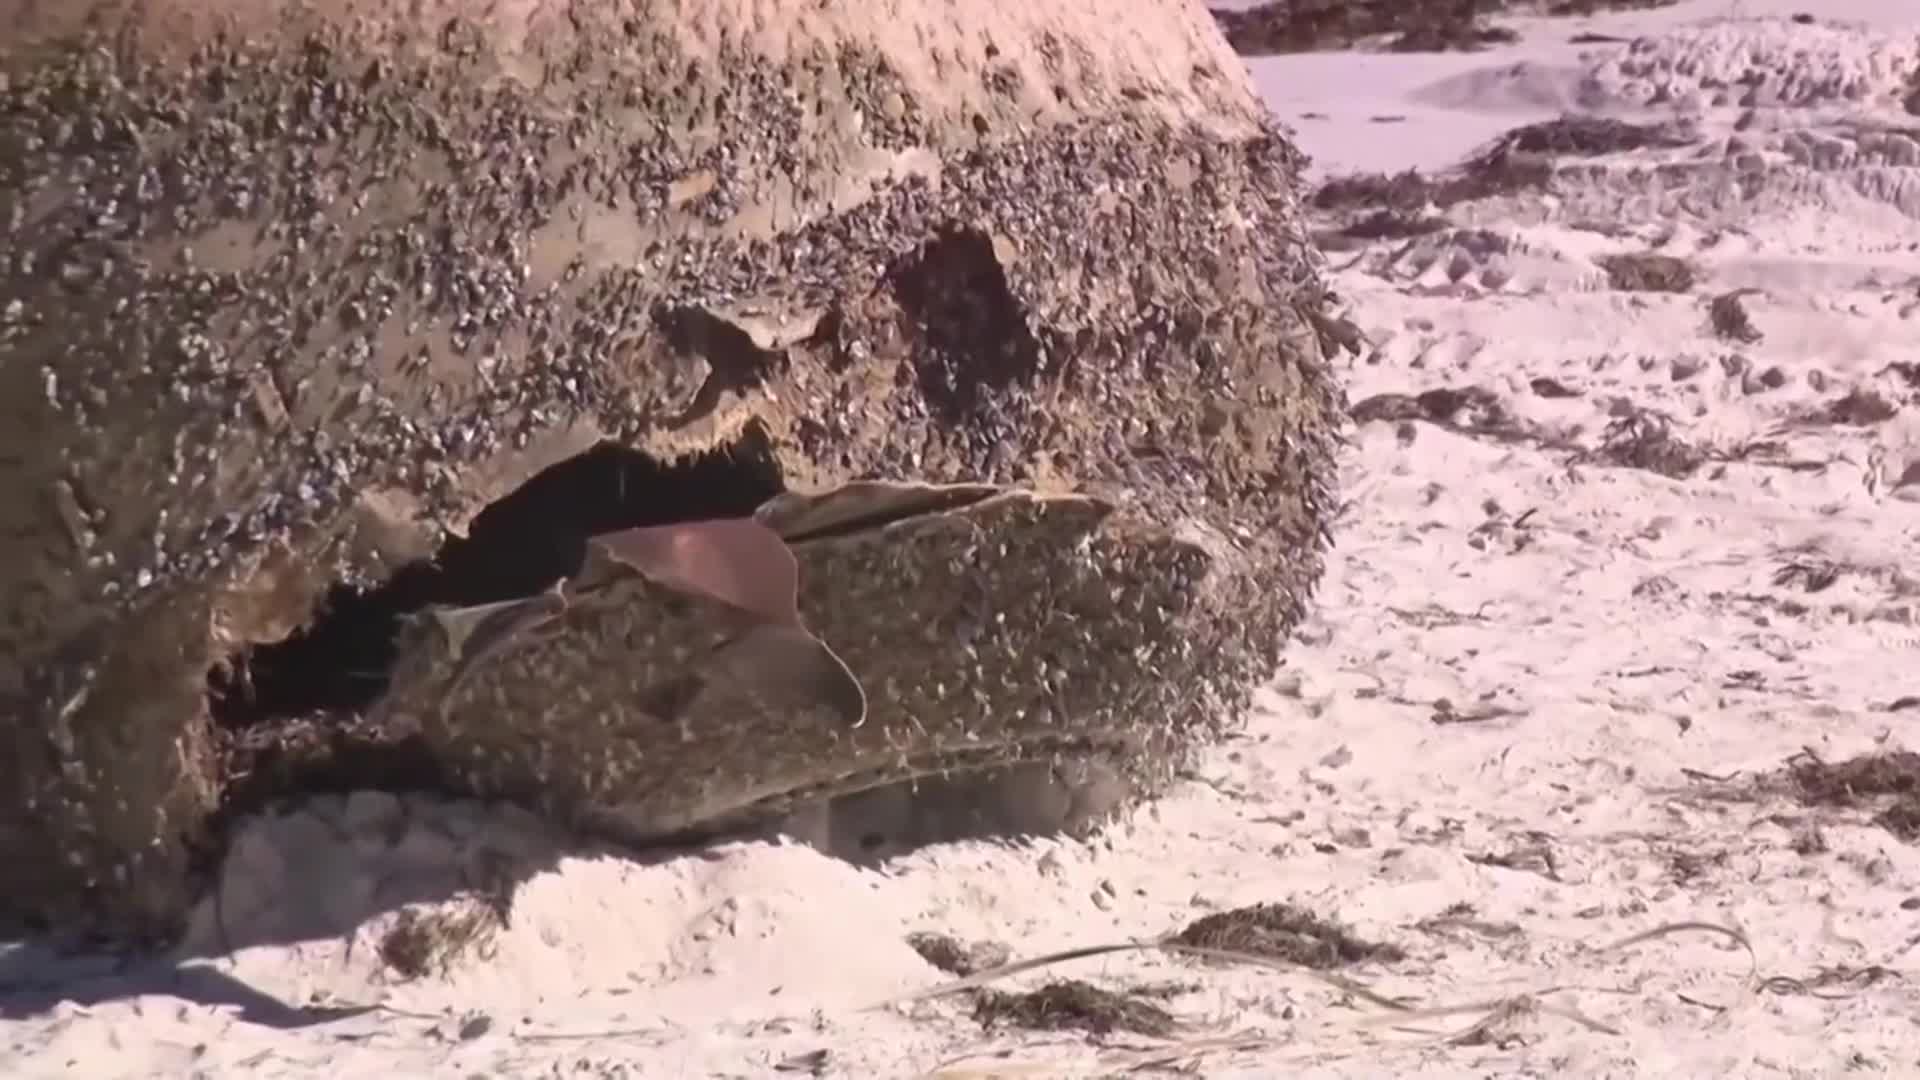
(279, 305)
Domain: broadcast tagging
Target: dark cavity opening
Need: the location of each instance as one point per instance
(977, 340)
(517, 546)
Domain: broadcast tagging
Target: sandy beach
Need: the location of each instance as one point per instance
(1627, 572)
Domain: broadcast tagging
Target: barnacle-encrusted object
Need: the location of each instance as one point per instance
(291, 294)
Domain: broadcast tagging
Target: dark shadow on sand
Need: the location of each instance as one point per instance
(867, 829)
(32, 985)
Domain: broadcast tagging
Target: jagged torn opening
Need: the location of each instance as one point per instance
(290, 711)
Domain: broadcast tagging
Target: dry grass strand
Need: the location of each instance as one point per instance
(1492, 1014)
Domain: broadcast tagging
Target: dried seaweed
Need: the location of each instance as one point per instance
(1459, 919)
(1643, 439)
(1291, 26)
(1520, 160)
(1407, 193)
(1459, 36)
(1071, 1004)
(1488, 176)
(1846, 783)
(956, 957)
(1443, 405)
(1902, 818)
(1277, 936)
(1811, 575)
(1646, 271)
(1890, 779)
(1393, 225)
(1636, 437)
(1729, 317)
(1591, 136)
(1595, 7)
(1551, 388)
(1285, 933)
(1821, 983)
(422, 942)
(1077, 1005)
(1858, 406)
(1906, 371)
(1532, 855)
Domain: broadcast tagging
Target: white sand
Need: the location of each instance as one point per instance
(1620, 627)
